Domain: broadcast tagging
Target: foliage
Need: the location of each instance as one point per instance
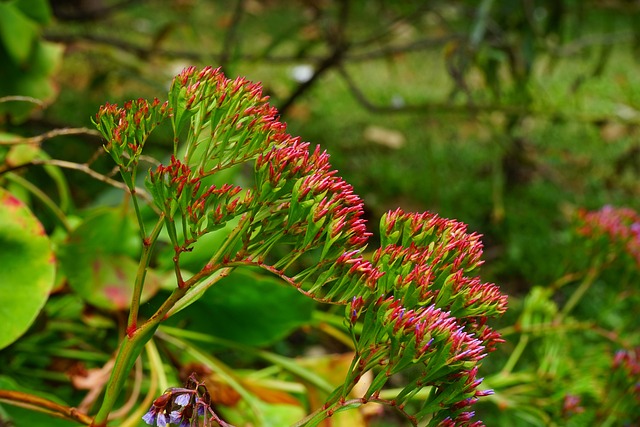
(28, 62)
(27, 267)
(566, 364)
(518, 118)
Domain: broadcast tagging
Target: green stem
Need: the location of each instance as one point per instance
(132, 346)
(582, 289)
(198, 289)
(143, 266)
(59, 180)
(173, 236)
(313, 418)
(157, 377)
(136, 207)
(515, 355)
(130, 349)
(231, 239)
(129, 180)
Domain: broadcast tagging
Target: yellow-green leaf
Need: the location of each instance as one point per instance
(27, 268)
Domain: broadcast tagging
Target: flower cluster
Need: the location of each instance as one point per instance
(127, 129)
(416, 298)
(627, 363)
(183, 407)
(177, 189)
(238, 121)
(309, 208)
(620, 225)
(298, 203)
(623, 387)
(429, 313)
(571, 405)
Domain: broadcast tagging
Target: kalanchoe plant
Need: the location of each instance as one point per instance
(619, 226)
(623, 388)
(414, 308)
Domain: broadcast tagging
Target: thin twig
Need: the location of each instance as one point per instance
(351, 57)
(98, 11)
(467, 109)
(86, 169)
(231, 34)
(38, 139)
(337, 40)
(577, 46)
(19, 98)
(133, 398)
(83, 168)
(40, 404)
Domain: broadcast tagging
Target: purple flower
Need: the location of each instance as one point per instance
(154, 417)
(150, 417)
(179, 417)
(182, 399)
(162, 420)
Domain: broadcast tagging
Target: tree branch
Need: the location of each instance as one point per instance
(339, 44)
(474, 109)
(40, 404)
(231, 34)
(38, 139)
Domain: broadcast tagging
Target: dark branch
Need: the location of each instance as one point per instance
(231, 35)
(339, 47)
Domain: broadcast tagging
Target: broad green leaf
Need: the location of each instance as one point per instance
(100, 257)
(47, 57)
(21, 154)
(27, 268)
(248, 308)
(36, 10)
(32, 79)
(108, 231)
(107, 281)
(17, 33)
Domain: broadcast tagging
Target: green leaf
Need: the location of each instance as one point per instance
(178, 103)
(17, 33)
(107, 281)
(248, 308)
(107, 231)
(99, 259)
(36, 10)
(21, 154)
(46, 58)
(27, 268)
(32, 79)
